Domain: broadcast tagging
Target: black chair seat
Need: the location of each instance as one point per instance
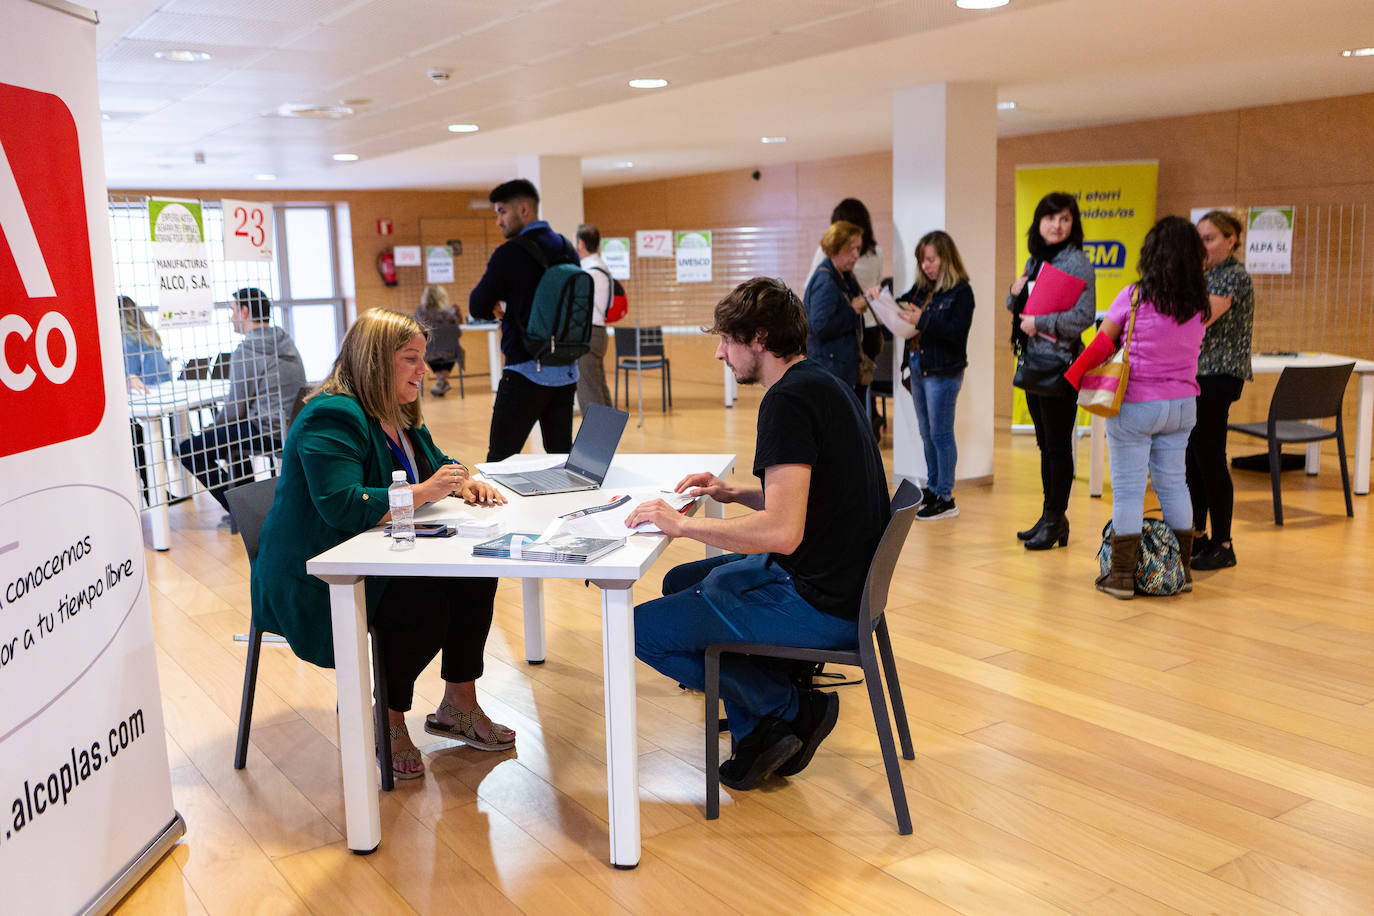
(1286, 431)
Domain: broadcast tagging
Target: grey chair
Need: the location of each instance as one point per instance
(249, 505)
(871, 642)
(1303, 393)
(443, 345)
(640, 349)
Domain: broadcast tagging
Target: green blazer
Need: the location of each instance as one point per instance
(335, 470)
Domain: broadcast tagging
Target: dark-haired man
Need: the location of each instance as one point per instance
(529, 391)
(591, 368)
(797, 570)
(265, 374)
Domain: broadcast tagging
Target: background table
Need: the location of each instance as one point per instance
(369, 554)
(494, 360)
(1263, 364)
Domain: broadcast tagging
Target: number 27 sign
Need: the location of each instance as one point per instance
(247, 230)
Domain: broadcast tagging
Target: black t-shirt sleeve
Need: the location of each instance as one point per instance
(785, 433)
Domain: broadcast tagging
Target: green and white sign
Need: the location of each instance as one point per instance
(438, 264)
(693, 250)
(616, 254)
(1269, 240)
(181, 264)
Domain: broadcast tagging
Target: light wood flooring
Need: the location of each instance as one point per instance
(1210, 753)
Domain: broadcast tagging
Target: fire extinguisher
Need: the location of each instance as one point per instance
(386, 266)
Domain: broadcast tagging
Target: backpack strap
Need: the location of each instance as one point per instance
(610, 286)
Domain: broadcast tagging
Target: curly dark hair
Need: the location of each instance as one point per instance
(1052, 203)
(1171, 275)
(766, 308)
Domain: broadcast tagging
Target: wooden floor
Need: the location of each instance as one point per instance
(1210, 753)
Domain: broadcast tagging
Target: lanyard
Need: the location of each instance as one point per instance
(401, 456)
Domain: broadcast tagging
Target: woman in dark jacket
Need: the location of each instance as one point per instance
(362, 425)
(1055, 237)
(941, 306)
(834, 305)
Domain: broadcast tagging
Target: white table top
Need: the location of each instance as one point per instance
(185, 394)
(1277, 362)
(370, 553)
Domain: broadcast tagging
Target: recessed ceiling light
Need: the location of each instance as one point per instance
(622, 165)
(773, 139)
(980, 4)
(265, 176)
(355, 103)
(463, 128)
(1006, 106)
(181, 55)
(326, 112)
(1358, 52)
(648, 83)
(345, 157)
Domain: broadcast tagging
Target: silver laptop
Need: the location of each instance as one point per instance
(587, 463)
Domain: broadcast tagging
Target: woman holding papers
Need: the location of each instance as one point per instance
(1047, 327)
(941, 307)
(1222, 370)
(1147, 440)
(361, 425)
(834, 303)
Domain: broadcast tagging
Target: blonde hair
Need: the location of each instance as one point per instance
(838, 237)
(952, 271)
(133, 323)
(365, 366)
(434, 300)
(1226, 224)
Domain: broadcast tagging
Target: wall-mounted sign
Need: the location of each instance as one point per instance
(1269, 240)
(438, 264)
(407, 255)
(616, 254)
(181, 264)
(654, 243)
(384, 227)
(248, 230)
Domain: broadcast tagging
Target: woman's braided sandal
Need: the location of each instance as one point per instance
(406, 764)
(499, 737)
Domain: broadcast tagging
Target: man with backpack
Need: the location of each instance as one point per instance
(591, 370)
(535, 286)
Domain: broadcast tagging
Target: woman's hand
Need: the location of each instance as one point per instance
(873, 292)
(1019, 284)
(859, 304)
(481, 493)
(1028, 325)
(447, 481)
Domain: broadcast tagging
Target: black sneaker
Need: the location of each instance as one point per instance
(762, 751)
(937, 508)
(927, 497)
(1218, 556)
(816, 719)
(1201, 544)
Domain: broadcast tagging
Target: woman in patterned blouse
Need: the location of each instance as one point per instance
(1222, 369)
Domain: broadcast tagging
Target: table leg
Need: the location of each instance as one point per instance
(1097, 454)
(1314, 459)
(713, 509)
(731, 387)
(622, 728)
(1364, 429)
(532, 595)
(155, 452)
(357, 738)
(494, 357)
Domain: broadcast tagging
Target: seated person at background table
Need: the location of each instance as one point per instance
(801, 557)
(265, 373)
(529, 392)
(441, 356)
(144, 367)
(363, 423)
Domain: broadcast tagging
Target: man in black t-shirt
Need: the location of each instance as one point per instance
(796, 573)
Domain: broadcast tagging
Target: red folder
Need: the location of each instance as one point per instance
(1054, 291)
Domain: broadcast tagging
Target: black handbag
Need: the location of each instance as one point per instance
(1042, 372)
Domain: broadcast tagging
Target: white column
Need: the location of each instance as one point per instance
(944, 176)
(559, 180)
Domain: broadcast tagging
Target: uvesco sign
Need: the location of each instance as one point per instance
(1110, 254)
(51, 385)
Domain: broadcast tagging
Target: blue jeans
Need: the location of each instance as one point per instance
(734, 598)
(934, 397)
(1150, 437)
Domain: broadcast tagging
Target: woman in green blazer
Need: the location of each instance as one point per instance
(362, 424)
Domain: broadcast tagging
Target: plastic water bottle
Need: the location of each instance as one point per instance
(402, 512)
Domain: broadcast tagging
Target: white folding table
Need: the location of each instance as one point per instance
(369, 554)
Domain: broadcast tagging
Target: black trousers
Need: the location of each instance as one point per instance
(1054, 420)
(421, 618)
(221, 456)
(519, 403)
(1209, 475)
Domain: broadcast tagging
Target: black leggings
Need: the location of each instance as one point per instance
(418, 618)
(1054, 420)
(1209, 477)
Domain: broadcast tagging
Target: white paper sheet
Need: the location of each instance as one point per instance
(518, 464)
(611, 523)
(890, 314)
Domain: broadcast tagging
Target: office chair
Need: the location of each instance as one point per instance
(639, 350)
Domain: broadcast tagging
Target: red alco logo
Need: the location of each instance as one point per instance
(51, 385)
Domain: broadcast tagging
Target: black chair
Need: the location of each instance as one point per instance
(1303, 393)
(249, 504)
(641, 350)
(197, 367)
(296, 407)
(872, 629)
(880, 388)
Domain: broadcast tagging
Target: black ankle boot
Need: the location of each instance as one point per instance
(1033, 530)
(1055, 529)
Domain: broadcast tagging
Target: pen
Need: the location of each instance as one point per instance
(618, 501)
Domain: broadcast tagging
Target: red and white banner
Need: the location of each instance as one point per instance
(85, 793)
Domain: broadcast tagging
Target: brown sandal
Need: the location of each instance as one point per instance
(499, 737)
(401, 761)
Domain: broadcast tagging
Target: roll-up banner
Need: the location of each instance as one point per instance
(1116, 201)
(85, 792)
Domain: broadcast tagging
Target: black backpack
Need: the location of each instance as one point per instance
(557, 327)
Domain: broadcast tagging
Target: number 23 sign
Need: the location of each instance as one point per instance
(247, 230)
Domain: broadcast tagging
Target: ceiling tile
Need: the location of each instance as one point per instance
(213, 30)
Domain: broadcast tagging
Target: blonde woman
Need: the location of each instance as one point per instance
(363, 424)
(144, 364)
(437, 315)
(834, 305)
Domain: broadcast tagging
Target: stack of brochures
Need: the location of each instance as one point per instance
(563, 548)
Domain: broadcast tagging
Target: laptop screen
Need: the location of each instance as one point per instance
(596, 441)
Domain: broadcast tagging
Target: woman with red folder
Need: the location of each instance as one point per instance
(1055, 237)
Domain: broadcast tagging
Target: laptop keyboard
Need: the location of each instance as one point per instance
(553, 478)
